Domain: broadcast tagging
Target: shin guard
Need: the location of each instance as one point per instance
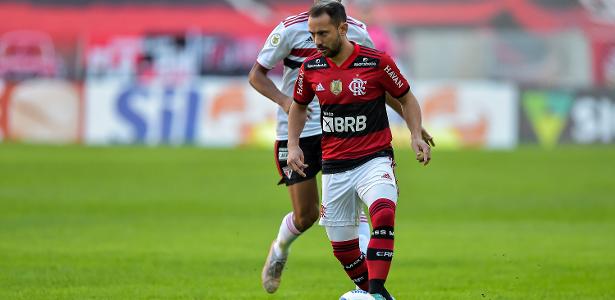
(348, 253)
(380, 250)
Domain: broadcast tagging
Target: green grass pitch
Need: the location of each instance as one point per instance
(189, 223)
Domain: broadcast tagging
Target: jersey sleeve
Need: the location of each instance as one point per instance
(392, 79)
(303, 93)
(276, 48)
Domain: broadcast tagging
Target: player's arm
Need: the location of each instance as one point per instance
(396, 106)
(297, 116)
(413, 118)
(362, 37)
(398, 87)
(264, 85)
(296, 121)
(276, 48)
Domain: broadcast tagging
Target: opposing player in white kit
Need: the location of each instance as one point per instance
(351, 82)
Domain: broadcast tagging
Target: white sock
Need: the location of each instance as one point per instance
(286, 236)
(364, 232)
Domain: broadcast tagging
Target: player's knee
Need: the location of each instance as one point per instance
(306, 219)
(382, 212)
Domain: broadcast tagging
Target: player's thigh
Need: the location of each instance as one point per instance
(304, 196)
(379, 191)
(339, 200)
(377, 180)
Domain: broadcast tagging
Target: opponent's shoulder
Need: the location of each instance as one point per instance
(357, 31)
(356, 23)
(292, 21)
(315, 62)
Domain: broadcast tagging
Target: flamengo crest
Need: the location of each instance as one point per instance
(357, 86)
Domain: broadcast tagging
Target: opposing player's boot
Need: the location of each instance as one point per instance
(272, 271)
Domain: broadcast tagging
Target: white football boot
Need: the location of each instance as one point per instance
(272, 271)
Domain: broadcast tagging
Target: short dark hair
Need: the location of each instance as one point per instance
(334, 9)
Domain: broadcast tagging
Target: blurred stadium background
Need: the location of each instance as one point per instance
(518, 203)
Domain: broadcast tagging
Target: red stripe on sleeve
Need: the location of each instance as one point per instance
(303, 52)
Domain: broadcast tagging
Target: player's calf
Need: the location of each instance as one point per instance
(380, 249)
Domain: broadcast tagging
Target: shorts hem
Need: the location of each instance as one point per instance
(367, 188)
(298, 180)
(338, 223)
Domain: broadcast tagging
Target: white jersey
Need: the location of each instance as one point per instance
(292, 43)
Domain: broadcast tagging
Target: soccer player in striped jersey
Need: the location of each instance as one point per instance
(351, 83)
(290, 43)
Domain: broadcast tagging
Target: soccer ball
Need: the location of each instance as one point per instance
(357, 295)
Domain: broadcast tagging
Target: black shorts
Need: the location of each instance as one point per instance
(312, 153)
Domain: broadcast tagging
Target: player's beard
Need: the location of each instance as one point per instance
(334, 50)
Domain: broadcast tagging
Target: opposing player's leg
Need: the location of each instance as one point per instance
(364, 231)
(304, 197)
(305, 200)
(303, 192)
(378, 190)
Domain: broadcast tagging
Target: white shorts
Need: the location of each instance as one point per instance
(344, 193)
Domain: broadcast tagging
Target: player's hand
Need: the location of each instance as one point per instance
(422, 150)
(427, 137)
(295, 160)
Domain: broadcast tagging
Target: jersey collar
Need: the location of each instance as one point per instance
(349, 60)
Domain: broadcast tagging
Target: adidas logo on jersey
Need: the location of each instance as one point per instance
(320, 88)
(309, 43)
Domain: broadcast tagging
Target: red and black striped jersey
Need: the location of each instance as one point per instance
(353, 117)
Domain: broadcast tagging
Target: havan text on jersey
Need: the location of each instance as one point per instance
(352, 101)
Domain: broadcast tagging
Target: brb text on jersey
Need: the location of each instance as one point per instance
(352, 100)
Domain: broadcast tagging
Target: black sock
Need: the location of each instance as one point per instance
(376, 286)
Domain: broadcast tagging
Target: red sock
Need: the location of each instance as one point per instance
(380, 249)
(348, 253)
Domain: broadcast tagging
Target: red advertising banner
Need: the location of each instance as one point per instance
(604, 63)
